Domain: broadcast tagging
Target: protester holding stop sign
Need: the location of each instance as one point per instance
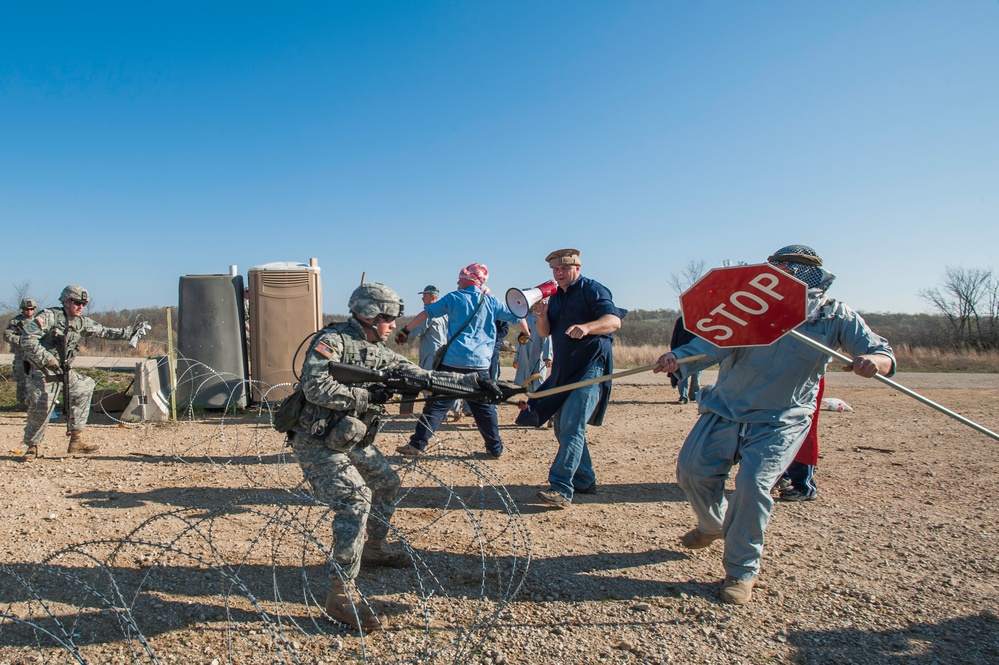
(759, 411)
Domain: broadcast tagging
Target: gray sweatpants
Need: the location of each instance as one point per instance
(763, 451)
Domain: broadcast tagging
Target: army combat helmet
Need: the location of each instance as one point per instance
(372, 300)
(28, 303)
(75, 292)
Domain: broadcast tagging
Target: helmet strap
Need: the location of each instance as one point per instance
(366, 325)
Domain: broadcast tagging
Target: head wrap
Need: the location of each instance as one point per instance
(477, 274)
(805, 264)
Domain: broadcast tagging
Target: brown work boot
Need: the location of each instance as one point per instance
(736, 591)
(342, 607)
(409, 450)
(77, 446)
(696, 539)
(380, 553)
(29, 455)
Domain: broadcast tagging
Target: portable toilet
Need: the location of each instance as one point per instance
(286, 309)
(211, 341)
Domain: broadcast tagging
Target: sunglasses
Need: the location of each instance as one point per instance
(78, 303)
(386, 319)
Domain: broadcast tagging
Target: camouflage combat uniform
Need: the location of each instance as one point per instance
(42, 344)
(333, 438)
(12, 335)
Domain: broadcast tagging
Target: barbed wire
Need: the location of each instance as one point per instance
(240, 576)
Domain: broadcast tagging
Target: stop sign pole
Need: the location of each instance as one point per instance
(897, 386)
(757, 305)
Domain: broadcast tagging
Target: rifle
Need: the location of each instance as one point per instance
(64, 364)
(441, 385)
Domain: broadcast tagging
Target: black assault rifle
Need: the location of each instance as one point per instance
(410, 384)
(64, 365)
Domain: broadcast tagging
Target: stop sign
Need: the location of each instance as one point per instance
(744, 305)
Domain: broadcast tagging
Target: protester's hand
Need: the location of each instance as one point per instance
(667, 363)
(401, 337)
(864, 366)
(523, 338)
(379, 394)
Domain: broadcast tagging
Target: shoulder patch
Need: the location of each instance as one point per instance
(323, 349)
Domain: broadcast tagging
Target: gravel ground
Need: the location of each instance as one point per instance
(196, 543)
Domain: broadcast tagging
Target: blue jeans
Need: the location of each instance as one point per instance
(802, 477)
(572, 468)
(695, 386)
(435, 411)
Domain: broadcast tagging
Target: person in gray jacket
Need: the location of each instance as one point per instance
(757, 415)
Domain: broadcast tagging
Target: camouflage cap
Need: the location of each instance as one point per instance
(563, 257)
(74, 292)
(372, 299)
(28, 303)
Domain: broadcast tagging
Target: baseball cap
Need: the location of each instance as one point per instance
(431, 289)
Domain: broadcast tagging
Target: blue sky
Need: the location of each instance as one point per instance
(140, 142)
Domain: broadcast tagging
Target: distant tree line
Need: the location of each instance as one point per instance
(966, 317)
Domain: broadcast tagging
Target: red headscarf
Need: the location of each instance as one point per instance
(477, 274)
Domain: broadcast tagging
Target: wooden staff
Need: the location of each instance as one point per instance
(601, 379)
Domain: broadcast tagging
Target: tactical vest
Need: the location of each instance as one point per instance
(343, 337)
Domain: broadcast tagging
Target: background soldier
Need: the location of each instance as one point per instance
(49, 343)
(333, 443)
(12, 335)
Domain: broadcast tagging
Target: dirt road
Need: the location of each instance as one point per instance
(196, 543)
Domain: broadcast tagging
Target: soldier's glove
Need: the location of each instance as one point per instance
(401, 337)
(491, 388)
(379, 394)
(53, 367)
(138, 331)
(523, 338)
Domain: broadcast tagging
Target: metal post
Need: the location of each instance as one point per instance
(928, 402)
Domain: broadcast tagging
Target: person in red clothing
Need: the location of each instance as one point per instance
(798, 481)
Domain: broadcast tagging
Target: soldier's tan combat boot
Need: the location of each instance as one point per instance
(380, 553)
(77, 446)
(29, 455)
(343, 607)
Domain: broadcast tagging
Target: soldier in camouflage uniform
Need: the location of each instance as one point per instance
(12, 335)
(333, 443)
(49, 342)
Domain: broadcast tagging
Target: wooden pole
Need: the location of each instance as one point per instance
(172, 366)
(600, 379)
